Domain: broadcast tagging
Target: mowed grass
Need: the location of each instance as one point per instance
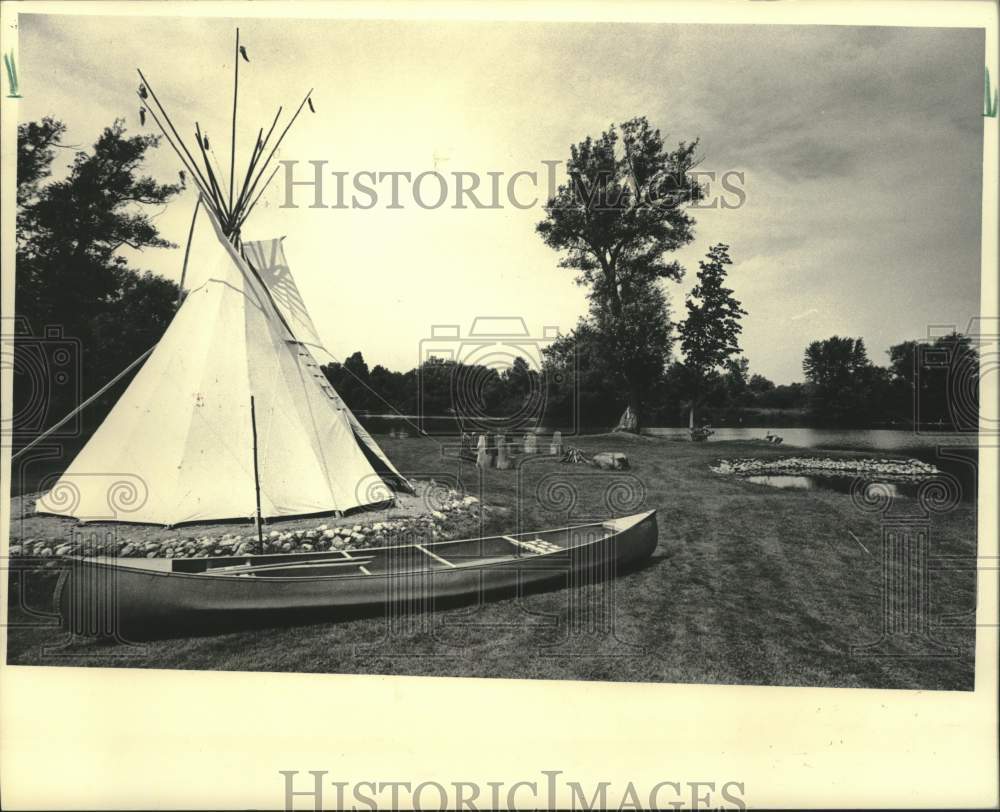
(749, 585)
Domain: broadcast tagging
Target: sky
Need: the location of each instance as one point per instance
(860, 148)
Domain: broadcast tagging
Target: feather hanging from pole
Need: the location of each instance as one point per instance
(232, 208)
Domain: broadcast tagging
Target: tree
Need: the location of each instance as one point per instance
(352, 380)
(736, 382)
(784, 396)
(36, 143)
(70, 273)
(580, 383)
(521, 395)
(621, 211)
(710, 333)
(395, 390)
(760, 385)
(936, 382)
(840, 377)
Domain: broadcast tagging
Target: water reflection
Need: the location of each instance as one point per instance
(859, 439)
(839, 484)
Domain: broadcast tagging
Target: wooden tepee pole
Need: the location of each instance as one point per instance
(187, 250)
(256, 474)
(236, 87)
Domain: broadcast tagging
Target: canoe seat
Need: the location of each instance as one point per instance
(434, 555)
(364, 570)
(324, 563)
(535, 545)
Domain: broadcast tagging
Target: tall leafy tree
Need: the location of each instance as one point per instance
(36, 145)
(621, 212)
(840, 377)
(70, 272)
(710, 333)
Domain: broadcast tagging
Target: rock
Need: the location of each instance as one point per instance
(483, 457)
(843, 467)
(151, 555)
(611, 461)
(15, 549)
(129, 550)
(503, 453)
(306, 547)
(65, 549)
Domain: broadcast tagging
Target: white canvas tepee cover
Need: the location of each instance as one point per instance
(183, 426)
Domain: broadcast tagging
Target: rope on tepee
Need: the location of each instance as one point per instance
(180, 298)
(85, 404)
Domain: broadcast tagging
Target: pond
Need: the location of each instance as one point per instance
(835, 439)
(896, 440)
(838, 484)
(956, 454)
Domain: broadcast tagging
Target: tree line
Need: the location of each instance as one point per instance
(624, 208)
(925, 381)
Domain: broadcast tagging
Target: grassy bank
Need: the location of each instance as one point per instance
(749, 585)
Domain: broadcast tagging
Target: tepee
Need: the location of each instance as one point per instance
(183, 429)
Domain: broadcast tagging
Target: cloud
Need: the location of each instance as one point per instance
(861, 150)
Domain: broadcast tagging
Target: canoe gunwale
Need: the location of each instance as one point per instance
(514, 559)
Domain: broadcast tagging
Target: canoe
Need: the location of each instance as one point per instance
(129, 599)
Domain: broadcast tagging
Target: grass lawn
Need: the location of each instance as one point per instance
(749, 585)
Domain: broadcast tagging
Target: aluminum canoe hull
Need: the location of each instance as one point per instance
(134, 599)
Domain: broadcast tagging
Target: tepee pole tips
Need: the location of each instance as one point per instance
(230, 206)
(236, 87)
